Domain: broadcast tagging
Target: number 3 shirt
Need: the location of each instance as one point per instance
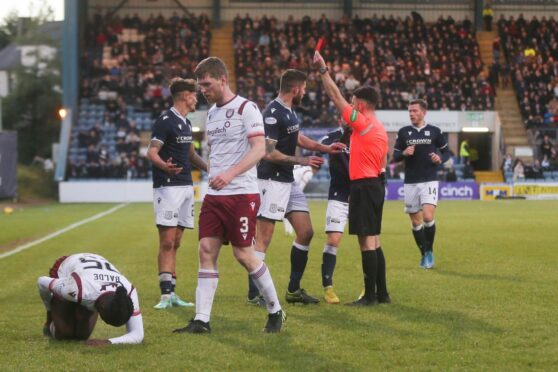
(83, 278)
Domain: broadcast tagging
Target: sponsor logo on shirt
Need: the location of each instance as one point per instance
(292, 129)
(419, 141)
(183, 139)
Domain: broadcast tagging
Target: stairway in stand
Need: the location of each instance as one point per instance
(222, 46)
(513, 129)
(489, 177)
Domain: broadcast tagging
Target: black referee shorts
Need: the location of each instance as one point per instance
(366, 204)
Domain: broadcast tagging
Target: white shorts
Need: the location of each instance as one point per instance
(174, 206)
(337, 214)
(280, 198)
(418, 194)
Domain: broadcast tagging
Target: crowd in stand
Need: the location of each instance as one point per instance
(144, 54)
(403, 58)
(139, 66)
(124, 162)
(531, 49)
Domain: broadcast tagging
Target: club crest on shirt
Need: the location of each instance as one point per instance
(426, 132)
(229, 113)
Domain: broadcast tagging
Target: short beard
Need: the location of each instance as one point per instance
(297, 100)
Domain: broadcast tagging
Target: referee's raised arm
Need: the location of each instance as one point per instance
(330, 87)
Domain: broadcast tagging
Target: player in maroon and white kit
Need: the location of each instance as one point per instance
(235, 135)
(80, 287)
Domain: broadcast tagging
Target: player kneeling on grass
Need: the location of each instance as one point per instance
(80, 287)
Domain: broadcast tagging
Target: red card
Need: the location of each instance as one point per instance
(320, 44)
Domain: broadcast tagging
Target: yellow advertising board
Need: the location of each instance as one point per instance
(536, 190)
(493, 190)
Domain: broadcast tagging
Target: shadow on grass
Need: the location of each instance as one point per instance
(454, 321)
(277, 351)
(457, 274)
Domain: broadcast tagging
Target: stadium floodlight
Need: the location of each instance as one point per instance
(62, 113)
(475, 129)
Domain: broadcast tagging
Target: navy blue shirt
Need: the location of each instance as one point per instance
(340, 182)
(176, 135)
(280, 124)
(428, 139)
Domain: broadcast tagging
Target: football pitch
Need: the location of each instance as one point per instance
(489, 303)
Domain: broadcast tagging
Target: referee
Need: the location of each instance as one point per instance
(366, 199)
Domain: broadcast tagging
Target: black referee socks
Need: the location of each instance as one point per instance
(370, 271)
(381, 284)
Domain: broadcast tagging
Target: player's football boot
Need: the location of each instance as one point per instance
(195, 326)
(256, 301)
(275, 322)
(383, 298)
(429, 262)
(423, 262)
(165, 303)
(46, 330)
(363, 301)
(300, 296)
(329, 296)
(178, 302)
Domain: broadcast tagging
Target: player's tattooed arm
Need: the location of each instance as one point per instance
(197, 160)
(275, 156)
(153, 155)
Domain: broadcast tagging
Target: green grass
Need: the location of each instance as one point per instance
(35, 183)
(490, 303)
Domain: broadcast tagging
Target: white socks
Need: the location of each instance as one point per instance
(205, 292)
(262, 280)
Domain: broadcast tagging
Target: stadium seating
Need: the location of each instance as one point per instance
(404, 58)
(125, 66)
(531, 50)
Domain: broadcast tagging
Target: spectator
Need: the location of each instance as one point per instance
(518, 170)
(487, 15)
(507, 165)
(464, 152)
(546, 148)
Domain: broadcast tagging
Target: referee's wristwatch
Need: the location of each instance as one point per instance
(323, 70)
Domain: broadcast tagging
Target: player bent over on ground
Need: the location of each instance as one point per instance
(235, 136)
(80, 287)
(172, 155)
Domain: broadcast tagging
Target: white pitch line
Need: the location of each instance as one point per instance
(61, 231)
